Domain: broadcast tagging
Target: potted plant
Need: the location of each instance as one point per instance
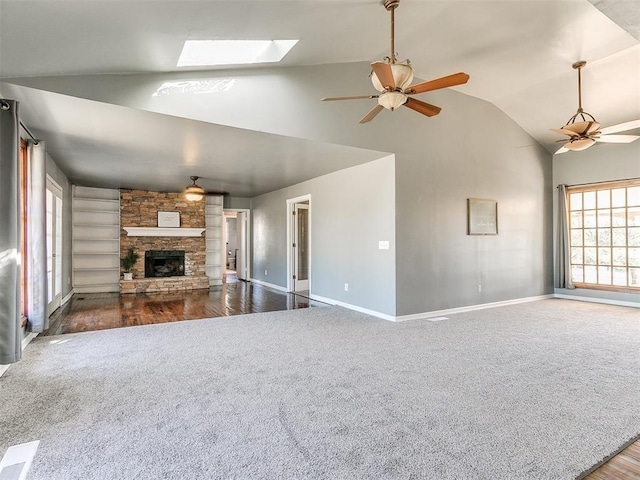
(128, 261)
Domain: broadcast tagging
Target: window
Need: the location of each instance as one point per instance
(604, 230)
(24, 232)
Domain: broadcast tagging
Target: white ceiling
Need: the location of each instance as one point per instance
(517, 52)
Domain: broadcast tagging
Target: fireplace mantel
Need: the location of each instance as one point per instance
(163, 232)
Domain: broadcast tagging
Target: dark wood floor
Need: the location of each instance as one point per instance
(624, 466)
(100, 311)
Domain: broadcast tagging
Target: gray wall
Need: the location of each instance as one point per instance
(471, 149)
(600, 163)
(67, 201)
(232, 235)
(351, 210)
(230, 203)
(488, 156)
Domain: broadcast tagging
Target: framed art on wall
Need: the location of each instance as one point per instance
(168, 219)
(482, 216)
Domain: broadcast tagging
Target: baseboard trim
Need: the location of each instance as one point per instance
(67, 298)
(373, 313)
(27, 340)
(470, 308)
(620, 303)
(270, 285)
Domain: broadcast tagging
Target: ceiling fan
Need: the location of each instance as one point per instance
(195, 192)
(583, 134)
(393, 81)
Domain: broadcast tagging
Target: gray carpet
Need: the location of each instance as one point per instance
(542, 390)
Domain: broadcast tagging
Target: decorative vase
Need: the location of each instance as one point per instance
(128, 276)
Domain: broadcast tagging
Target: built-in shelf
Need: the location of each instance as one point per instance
(97, 210)
(96, 253)
(81, 269)
(97, 239)
(80, 224)
(96, 244)
(163, 232)
(213, 235)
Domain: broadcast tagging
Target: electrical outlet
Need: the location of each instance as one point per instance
(265, 272)
(479, 288)
(346, 287)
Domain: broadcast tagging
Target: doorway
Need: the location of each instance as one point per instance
(299, 242)
(54, 245)
(235, 231)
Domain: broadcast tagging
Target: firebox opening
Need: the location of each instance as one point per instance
(164, 263)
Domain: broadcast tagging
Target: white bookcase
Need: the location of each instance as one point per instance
(96, 240)
(213, 238)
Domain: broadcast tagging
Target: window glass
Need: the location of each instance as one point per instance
(575, 199)
(604, 198)
(633, 196)
(618, 197)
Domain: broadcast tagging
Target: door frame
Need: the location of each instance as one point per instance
(290, 235)
(56, 301)
(248, 240)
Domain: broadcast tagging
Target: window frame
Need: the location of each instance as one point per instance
(596, 187)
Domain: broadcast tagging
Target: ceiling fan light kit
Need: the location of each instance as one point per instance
(585, 133)
(194, 192)
(392, 100)
(393, 80)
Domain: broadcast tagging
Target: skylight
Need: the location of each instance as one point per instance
(200, 53)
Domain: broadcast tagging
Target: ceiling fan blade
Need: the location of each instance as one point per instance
(561, 150)
(582, 128)
(384, 73)
(621, 127)
(372, 113)
(563, 131)
(354, 97)
(617, 138)
(579, 145)
(422, 107)
(444, 82)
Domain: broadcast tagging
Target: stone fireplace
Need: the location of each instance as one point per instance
(172, 259)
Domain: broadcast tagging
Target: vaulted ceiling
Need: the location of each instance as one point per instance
(79, 68)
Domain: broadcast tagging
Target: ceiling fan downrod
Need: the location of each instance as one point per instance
(391, 6)
(578, 66)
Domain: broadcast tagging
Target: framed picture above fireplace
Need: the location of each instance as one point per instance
(168, 219)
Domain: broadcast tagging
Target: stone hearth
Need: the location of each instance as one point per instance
(163, 284)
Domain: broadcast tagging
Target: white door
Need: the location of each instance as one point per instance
(241, 257)
(300, 247)
(54, 246)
